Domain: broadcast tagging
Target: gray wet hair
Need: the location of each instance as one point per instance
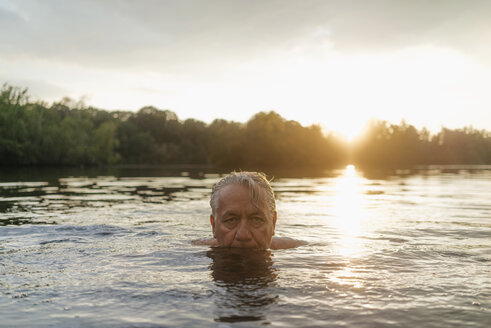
(255, 181)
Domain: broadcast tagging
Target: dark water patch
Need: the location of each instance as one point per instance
(148, 233)
(104, 233)
(149, 222)
(21, 192)
(302, 225)
(98, 231)
(454, 254)
(397, 240)
(17, 221)
(63, 240)
(374, 192)
(455, 233)
(241, 318)
(52, 174)
(139, 325)
(163, 191)
(6, 206)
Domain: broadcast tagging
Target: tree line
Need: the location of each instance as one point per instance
(402, 145)
(68, 133)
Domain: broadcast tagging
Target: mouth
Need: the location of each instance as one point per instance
(244, 245)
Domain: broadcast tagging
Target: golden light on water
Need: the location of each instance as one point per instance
(350, 171)
(349, 211)
(346, 277)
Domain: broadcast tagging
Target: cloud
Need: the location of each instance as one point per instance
(74, 32)
(39, 89)
(382, 25)
(179, 36)
(182, 33)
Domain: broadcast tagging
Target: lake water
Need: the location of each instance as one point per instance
(112, 248)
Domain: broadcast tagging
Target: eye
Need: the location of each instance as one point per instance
(257, 221)
(230, 221)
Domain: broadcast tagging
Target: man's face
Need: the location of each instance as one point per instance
(238, 223)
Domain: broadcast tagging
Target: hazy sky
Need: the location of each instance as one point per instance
(337, 63)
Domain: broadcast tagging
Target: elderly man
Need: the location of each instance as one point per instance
(244, 214)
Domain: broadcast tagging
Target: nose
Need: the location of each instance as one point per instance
(243, 233)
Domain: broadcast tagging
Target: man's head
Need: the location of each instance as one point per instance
(243, 211)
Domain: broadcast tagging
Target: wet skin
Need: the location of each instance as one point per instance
(239, 223)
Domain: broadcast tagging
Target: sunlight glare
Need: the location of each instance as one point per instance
(349, 211)
(350, 171)
(346, 277)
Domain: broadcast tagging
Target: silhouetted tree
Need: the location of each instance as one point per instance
(226, 147)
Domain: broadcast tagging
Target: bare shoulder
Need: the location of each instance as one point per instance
(285, 242)
(205, 242)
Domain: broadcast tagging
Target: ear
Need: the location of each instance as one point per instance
(212, 222)
(274, 220)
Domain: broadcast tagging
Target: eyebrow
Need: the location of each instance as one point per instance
(230, 212)
(255, 212)
(258, 211)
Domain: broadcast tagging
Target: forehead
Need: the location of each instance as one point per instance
(237, 196)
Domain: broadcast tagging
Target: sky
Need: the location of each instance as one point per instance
(333, 63)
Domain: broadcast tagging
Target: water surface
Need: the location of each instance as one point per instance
(112, 249)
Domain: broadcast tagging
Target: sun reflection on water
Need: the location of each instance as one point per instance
(346, 277)
(349, 211)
